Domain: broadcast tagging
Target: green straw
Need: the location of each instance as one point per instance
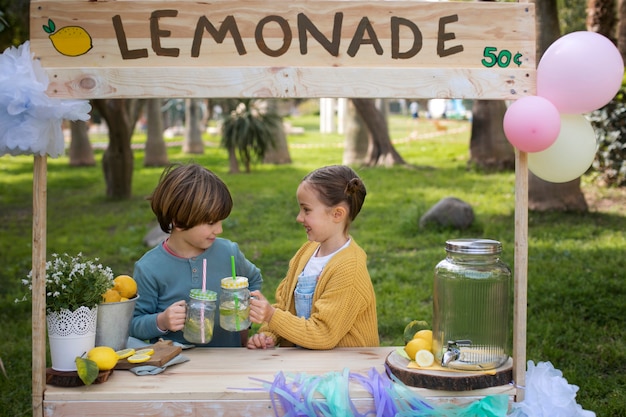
(232, 265)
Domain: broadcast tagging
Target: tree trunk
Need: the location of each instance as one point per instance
(233, 164)
(156, 150)
(356, 138)
(489, 148)
(117, 161)
(279, 153)
(193, 127)
(381, 150)
(547, 21)
(602, 17)
(547, 196)
(543, 195)
(621, 29)
(81, 151)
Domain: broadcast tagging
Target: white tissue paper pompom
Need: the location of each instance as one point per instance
(548, 394)
(30, 121)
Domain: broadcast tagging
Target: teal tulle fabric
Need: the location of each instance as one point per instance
(302, 395)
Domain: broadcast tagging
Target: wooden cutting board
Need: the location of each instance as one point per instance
(164, 351)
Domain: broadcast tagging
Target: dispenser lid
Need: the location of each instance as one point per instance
(207, 295)
(474, 246)
(234, 283)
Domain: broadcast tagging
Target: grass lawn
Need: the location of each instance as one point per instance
(576, 290)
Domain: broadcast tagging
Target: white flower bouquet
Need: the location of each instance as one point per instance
(73, 282)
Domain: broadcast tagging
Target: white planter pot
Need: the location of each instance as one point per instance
(71, 334)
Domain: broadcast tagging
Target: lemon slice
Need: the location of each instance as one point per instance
(146, 351)
(137, 358)
(124, 353)
(424, 358)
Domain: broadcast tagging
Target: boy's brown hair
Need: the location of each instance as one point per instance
(189, 195)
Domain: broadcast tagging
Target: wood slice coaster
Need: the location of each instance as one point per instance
(71, 379)
(447, 380)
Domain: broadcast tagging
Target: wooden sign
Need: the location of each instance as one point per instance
(241, 48)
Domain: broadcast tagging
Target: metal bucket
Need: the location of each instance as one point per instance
(113, 323)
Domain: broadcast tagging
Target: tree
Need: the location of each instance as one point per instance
(248, 131)
(279, 153)
(121, 115)
(602, 17)
(193, 126)
(381, 151)
(14, 22)
(621, 29)
(356, 138)
(81, 151)
(156, 150)
(489, 149)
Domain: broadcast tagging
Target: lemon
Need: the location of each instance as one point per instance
(104, 356)
(125, 285)
(111, 296)
(415, 346)
(424, 358)
(426, 335)
(71, 41)
(137, 358)
(124, 353)
(146, 351)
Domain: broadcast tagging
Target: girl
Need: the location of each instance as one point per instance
(327, 299)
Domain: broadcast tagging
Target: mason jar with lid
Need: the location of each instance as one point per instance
(200, 316)
(234, 304)
(472, 306)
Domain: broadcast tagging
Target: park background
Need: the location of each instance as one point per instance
(576, 287)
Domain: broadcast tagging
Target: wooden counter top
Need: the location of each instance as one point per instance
(225, 382)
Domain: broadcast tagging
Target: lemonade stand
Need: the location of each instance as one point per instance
(365, 49)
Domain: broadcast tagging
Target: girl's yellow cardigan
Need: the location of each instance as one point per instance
(343, 313)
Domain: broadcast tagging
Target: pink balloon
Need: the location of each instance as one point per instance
(580, 72)
(532, 124)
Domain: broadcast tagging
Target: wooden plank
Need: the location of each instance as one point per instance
(38, 309)
(290, 82)
(293, 49)
(227, 381)
(520, 273)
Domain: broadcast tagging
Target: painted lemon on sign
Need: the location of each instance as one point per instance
(69, 40)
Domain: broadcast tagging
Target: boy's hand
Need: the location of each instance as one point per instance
(173, 318)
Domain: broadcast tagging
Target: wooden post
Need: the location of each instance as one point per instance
(520, 273)
(39, 283)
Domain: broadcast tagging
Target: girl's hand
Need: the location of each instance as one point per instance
(173, 318)
(260, 309)
(260, 341)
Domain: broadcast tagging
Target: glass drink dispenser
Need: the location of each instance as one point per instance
(472, 306)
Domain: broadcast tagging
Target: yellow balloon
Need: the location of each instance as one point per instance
(570, 156)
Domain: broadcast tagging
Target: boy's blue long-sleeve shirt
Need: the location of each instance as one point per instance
(163, 279)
